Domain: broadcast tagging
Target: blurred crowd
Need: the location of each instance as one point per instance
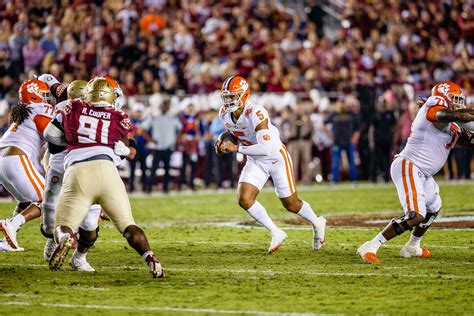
(372, 67)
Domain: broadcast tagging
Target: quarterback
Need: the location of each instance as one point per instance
(267, 157)
(94, 133)
(434, 132)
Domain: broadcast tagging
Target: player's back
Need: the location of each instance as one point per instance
(28, 136)
(429, 143)
(92, 131)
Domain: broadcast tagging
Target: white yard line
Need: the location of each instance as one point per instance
(162, 309)
(270, 272)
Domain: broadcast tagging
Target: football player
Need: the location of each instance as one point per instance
(267, 157)
(94, 133)
(88, 230)
(20, 153)
(434, 133)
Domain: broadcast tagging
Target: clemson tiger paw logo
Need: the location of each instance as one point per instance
(443, 88)
(32, 88)
(243, 84)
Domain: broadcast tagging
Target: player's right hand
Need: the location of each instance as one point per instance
(49, 79)
(120, 149)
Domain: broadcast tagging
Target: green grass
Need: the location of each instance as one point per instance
(223, 268)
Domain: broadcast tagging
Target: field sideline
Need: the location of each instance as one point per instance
(216, 262)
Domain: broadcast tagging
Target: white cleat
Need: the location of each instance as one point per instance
(319, 232)
(368, 253)
(60, 253)
(409, 251)
(5, 247)
(49, 248)
(9, 232)
(81, 265)
(277, 240)
(154, 267)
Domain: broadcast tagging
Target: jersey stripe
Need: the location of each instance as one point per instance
(405, 184)
(38, 192)
(413, 187)
(287, 171)
(227, 83)
(291, 166)
(33, 170)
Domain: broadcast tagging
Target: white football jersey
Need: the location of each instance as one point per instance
(429, 143)
(244, 128)
(28, 136)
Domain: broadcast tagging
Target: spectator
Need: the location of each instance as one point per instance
(299, 143)
(142, 138)
(322, 141)
(32, 54)
(164, 132)
(190, 135)
(345, 128)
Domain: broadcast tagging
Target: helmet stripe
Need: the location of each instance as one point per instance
(227, 82)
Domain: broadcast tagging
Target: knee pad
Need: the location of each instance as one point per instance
(23, 205)
(87, 238)
(54, 182)
(401, 224)
(429, 219)
(435, 204)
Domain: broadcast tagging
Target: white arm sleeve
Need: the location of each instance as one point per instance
(263, 146)
(54, 135)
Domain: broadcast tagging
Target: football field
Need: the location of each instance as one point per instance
(216, 261)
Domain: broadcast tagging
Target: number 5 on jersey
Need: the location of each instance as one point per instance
(92, 130)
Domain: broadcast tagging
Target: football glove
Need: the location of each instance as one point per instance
(120, 149)
(49, 79)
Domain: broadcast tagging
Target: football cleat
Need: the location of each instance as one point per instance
(318, 233)
(5, 247)
(60, 253)
(49, 248)
(366, 254)
(9, 232)
(81, 265)
(154, 267)
(409, 251)
(277, 240)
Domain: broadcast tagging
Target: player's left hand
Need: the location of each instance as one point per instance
(120, 149)
(229, 147)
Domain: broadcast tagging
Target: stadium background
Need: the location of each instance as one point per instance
(310, 63)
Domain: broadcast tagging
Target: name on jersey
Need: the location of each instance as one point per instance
(101, 115)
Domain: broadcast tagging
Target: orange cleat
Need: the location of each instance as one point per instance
(365, 251)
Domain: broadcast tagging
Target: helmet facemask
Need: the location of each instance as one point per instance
(232, 100)
(457, 100)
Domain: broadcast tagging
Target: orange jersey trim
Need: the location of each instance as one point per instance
(405, 184)
(287, 171)
(431, 113)
(291, 166)
(413, 187)
(41, 122)
(38, 192)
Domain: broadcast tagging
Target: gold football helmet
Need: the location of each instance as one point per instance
(76, 89)
(100, 93)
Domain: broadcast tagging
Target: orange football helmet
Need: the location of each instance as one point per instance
(120, 97)
(451, 92)
(35, 91)
(235, 92)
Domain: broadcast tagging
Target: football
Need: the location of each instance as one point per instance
(228, 136)
(224, 137)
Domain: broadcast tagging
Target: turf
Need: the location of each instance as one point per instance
(214, 268)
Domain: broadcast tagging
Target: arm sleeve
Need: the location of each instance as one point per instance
(263, 146)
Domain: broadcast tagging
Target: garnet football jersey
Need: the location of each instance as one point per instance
(91, 131)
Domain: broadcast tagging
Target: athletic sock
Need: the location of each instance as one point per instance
(414, 241)
(377, 241)
(146, 254)
(79, 256)
(308, 214)
(258, 213)
(17, 221)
